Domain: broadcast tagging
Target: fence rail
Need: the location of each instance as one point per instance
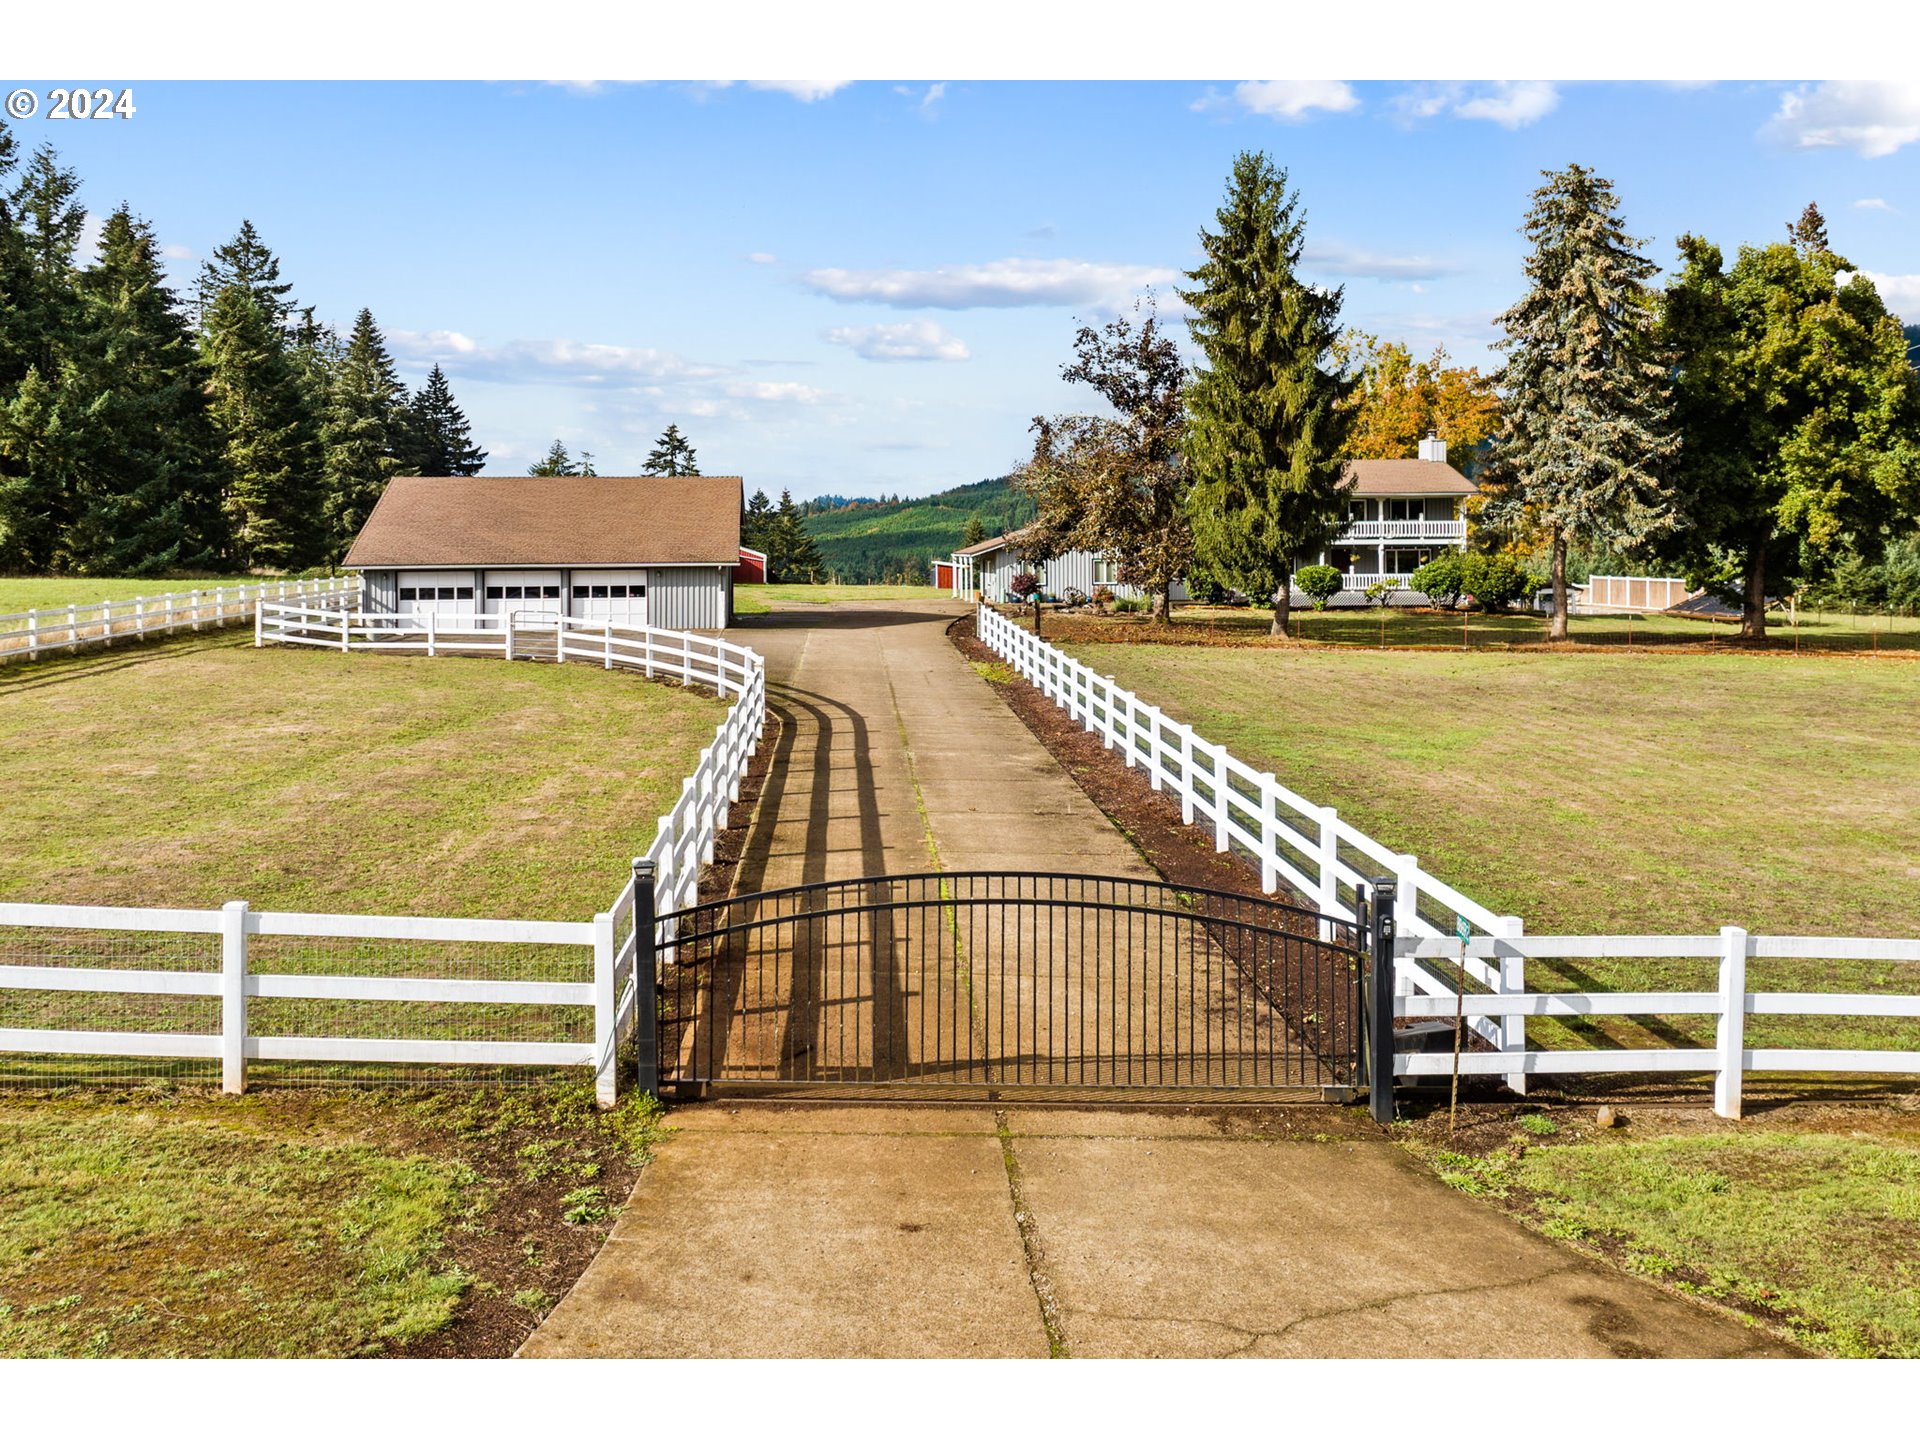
(65, 630)
(1322, 857)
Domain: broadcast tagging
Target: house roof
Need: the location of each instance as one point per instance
(555, 520)
(1408, 477)
(986, 547)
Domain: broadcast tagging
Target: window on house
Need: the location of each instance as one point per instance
(446, 592)
(579, 592)
(407, 592)
(1105, 571)
(1356, 511)
(617, 592)
(599, 592)
(465, 592)
(513, 592)
(493, 592)
(1406, 509)
(551, 592)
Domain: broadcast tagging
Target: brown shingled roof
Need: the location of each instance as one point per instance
(1408, 477)
(556, 520)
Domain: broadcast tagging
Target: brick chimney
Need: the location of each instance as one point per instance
(1433, 447)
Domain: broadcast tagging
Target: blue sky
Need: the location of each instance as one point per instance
(871, 287)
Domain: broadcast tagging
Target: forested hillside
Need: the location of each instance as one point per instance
(893, 541)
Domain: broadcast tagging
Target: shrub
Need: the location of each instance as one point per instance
(1203, 589)
(1319, 583)
(1133, 605)
(1381, 591)
(1441, 579)
(1102, 595)
(1494, 581)
(1023, 586)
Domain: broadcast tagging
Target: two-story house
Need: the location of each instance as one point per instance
(1401, 513)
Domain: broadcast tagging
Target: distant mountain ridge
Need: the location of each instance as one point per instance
(894, 541)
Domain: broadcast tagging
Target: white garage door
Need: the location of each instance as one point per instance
(617, 597)
(436, 592)
(526, 593)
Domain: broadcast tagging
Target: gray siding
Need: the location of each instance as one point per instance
(381, 594)
(692, 597)
(1071, 571)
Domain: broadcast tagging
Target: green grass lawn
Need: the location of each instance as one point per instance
(60, 591)
(197, 771)
(1603, 794)
(754, 599)
(144, 1224)
(1815, 1234)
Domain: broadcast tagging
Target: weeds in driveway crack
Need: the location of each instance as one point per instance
(1050, 1314)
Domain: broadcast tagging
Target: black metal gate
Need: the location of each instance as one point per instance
(980, 984)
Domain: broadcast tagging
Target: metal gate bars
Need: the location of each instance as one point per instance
(978, 983)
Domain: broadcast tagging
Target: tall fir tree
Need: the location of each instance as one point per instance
(365, 432)
(757, 525)
(246, 261)
(1267, 423)
(42, 424)
(1800, 415)
(148, 497)
(975, 532)
(554, 463)
(439, 440)
(269, 441)
(671, 455)
(794, 557)
(1588, 428)
(14, 337)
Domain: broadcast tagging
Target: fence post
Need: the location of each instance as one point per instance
(346, 629)
(1329, 897)
(259, 633)
(193, 607)
(1380, 1050)
(1406, 874)
(1513, 981)
(33, 634)
(233, 997)
(1220, 798)
(646, 981)
(433, 637)
(1269, 833)
(1733, 1022)
(606, 1081)
(73, 628)
(1186, 775)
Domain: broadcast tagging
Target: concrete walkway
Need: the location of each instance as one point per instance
(768, 1231)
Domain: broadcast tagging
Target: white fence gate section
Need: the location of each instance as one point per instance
(55, 950)
(32, 634)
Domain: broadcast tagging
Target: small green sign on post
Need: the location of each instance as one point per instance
(1462, 928)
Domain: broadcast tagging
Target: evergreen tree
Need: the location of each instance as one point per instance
(585, 464)
(1800, 413)
(1588, 432)
(438, 438)
(1267, 424)
(246, 261)
(794, 556)
(975, 532)
(41, 425)
(555, 462)
(147, 492)
(757, 527)
(269, 442)
(671, 455)
(365, 432)
(14, 336)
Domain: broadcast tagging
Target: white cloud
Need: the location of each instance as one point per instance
(1900, 292)
(1334, 258)
(574, 362)
(1871, 117)
(177, 252)
(1284, 99)
(1874, 204)
(911, 340)
(1512, 103)
(764, 257)
(994, 284)
(91, 229)
(805, 91)
(782, 392)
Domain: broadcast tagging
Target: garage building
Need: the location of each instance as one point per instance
(631, 549)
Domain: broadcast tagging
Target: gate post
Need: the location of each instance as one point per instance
(646, 981)
(1380, 1002)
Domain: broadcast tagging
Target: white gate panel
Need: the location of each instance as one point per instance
(617, 597)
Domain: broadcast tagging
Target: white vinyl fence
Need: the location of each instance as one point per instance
(95, 951)
(1324, 859)
(65, 630)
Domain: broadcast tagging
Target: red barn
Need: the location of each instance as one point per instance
(752, 569)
